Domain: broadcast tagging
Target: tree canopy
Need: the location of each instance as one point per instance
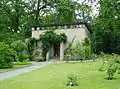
(19, 15)
(106, 36)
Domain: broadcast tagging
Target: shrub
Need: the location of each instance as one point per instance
(23, 57)
(110, 64)
(113, 66)
(86, 42)
(21, 48)
(87, 52)
(72, 80)
(111, 71)
(7, 55)
(105, 60)
(78, 52)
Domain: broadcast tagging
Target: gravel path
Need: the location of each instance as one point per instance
(17, 72)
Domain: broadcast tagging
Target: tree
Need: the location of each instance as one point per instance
(19, 15)
(65, 11)
(13, 11)
(9, 37)
(83, 12)
(106, 27)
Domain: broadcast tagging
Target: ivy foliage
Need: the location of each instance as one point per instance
(30, 45)
(50, 38)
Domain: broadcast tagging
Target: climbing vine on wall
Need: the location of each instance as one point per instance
(50, 38)
(31, 42)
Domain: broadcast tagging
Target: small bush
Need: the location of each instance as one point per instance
(72, 80)
(106, 58)
(110, 64)
(86, 42)
(111, 71)
(7, 55)
(87, 52)
(23, 58)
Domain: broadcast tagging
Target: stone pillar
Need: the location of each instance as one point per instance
(38, 28)
(52, 51)
(33, 29)
(48, 56)
(61, 51)
(59, 27)
(65, 27)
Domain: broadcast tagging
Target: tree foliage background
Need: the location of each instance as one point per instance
(106, 27)
(16, 17)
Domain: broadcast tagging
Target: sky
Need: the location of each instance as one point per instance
(93, 3)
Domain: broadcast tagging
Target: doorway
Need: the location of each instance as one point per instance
(57, 50)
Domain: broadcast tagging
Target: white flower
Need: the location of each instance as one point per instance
(70, 83)
(13, 30)
(18, 31)
(118, 1)
(116, 17)
(105, 61)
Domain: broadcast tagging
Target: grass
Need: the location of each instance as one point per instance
(17, 65)
(55, 77)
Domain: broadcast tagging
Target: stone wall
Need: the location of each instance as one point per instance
(80, 32)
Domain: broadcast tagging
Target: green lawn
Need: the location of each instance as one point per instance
(17, 65)
(55, 77)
